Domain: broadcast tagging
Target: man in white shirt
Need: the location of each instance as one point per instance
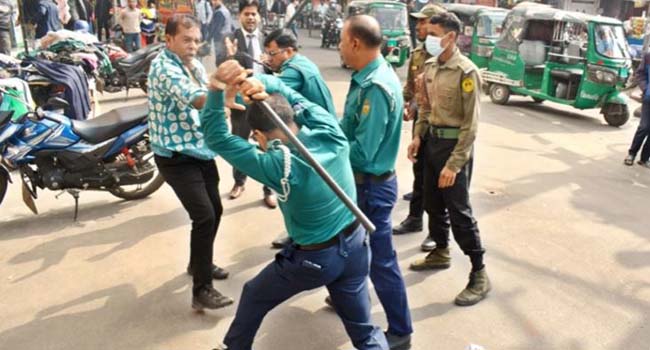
(291, 11)
(203, 11)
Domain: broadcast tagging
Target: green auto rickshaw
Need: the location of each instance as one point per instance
(393, 19)
(480, 31)
(565, 57)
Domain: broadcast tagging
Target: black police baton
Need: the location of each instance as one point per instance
(314, 163)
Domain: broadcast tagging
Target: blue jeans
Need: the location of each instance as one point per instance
(132, 41)
(642, 134)
(343, 268)
(377, 200)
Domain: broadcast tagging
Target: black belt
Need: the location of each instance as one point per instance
(361, 178)
(347, 231)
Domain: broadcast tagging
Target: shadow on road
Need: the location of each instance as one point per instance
(121, 236)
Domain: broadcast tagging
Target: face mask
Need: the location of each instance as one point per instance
(433, 45)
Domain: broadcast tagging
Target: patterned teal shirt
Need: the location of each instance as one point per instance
(174, 124)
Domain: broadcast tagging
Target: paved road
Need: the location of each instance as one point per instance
(564, 222)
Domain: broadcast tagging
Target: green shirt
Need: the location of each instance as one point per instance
(302, 75)
(372, 118)
(312, 213)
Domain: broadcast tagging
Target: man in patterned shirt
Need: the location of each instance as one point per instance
(177, 91)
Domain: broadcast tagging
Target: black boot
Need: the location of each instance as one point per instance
(410, 225)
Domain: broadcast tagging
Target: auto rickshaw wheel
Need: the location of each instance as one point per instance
(499, 94)
(616, 115)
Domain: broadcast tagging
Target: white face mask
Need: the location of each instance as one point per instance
(433, 45)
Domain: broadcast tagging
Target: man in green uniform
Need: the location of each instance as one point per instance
(299, 73)
(413, 222)
(449, 100)
(295, 70)
(372, 122)
(330, 247)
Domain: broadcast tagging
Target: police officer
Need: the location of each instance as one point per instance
(299, 73)
(330, 247)
(450, 108)
(413, 222)
(372, 123)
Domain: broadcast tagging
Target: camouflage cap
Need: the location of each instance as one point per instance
(429, 11)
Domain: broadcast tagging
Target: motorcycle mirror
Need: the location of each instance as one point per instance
(54, 103)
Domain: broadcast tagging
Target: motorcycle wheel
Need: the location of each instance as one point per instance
(133, 192)
(4, 181)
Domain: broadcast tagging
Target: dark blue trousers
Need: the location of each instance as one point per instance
(642, 134)
(343, 268)
(377, 200)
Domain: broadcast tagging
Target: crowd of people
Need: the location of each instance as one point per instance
(326, 244)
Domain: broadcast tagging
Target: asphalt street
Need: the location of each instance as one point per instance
(564, 222)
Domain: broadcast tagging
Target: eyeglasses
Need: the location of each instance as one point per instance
(275, 53)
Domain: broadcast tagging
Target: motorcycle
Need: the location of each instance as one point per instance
(130, 70)
(108, 153)
(331, 33)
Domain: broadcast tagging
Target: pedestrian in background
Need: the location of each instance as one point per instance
(641, 139)
(103, 10)
(177, 91)
(130, 19)
(6, 12)
(220, 26)
(203, 12)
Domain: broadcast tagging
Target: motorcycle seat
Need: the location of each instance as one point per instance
(111, 124)
(138, 55)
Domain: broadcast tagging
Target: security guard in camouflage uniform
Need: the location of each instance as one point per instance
(449, 97)
(413, 222)
(372, 123)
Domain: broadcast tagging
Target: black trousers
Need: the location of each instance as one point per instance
(642, 134)
(241, 128)
(196, 184)
(103, 25)
(449, 204)
(416, 206)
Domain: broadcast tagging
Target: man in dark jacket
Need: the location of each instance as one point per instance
(642, 135)
(103, 15)
(47, 18)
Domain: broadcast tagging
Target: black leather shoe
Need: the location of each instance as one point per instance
(209, 298)
(407, 197)
(410, 225)
(281, 242)
(217, 272)
(396, 342)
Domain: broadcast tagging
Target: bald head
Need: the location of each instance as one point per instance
(366, 29)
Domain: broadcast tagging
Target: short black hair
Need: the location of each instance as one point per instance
(185, 20)
(248, 3)
(284, 38)
(259, 121)
(363, 28)
(448, 21)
